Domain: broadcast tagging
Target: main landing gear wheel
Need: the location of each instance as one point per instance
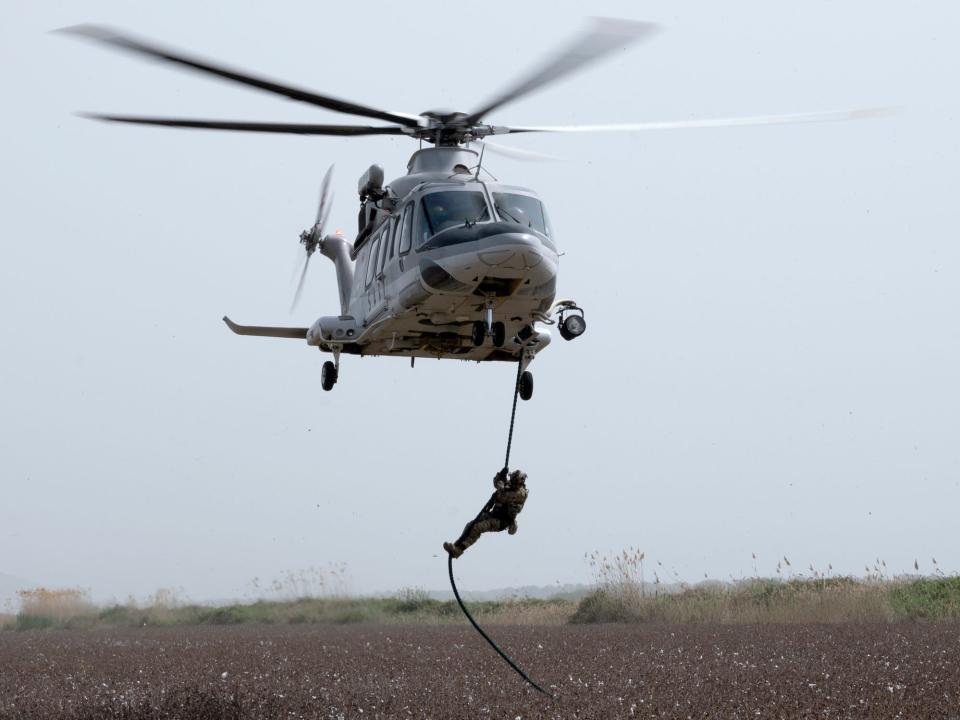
(499, 332)
(479, 333)
(328, 376)
(526, 385)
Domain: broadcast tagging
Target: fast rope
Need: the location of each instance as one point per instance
(487, 637)
(513, 413)
(453, 584)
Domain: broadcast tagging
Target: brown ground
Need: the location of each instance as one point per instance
(601, 671)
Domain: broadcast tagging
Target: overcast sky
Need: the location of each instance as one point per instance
(771, 360)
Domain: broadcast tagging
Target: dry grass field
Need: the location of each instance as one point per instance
(619, 598)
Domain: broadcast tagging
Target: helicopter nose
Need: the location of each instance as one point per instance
(505, 264)
(515, 256)
(514, 263)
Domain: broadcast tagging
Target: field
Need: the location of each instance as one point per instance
(439, 671)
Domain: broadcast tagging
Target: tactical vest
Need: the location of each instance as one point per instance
(507, 511)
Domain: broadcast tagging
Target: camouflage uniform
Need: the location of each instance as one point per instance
(500, 512)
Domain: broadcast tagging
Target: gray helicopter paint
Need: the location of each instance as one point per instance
(338, 250)
(434, 163)
(423, 303)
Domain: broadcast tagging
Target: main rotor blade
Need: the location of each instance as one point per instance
(111, 37)
(809, 117)
(289, 128)
(517, 153)
(605, 36)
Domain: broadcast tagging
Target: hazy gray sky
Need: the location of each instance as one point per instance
(770, 365)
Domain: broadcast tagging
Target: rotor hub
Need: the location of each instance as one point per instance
(447, 128)
(445, 117)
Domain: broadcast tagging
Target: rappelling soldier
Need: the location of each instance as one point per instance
(500, 512)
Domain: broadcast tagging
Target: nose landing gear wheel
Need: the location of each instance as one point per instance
(328, 376)
(479, 333)
(526, 385)
(499, 334)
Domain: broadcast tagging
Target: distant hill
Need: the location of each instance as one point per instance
(572, 592)
(542, 592)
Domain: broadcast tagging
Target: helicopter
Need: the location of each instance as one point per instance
(446, 263)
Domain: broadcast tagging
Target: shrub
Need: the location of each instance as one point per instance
(414, 599)
(602, 606)
(926, 599)
(43, 607)
(798, 600)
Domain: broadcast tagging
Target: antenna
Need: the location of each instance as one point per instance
(483, 147)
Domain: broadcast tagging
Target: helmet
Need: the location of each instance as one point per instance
(518, 477)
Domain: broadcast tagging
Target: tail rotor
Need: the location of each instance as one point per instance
(310, 239)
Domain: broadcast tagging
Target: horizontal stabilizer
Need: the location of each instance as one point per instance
(282, 332)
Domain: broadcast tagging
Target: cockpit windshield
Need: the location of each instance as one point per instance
(522, 209)
(455, 208)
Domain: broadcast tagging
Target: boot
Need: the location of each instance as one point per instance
(453, 550)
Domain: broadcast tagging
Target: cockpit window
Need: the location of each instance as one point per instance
(522, 209)
(444, 210)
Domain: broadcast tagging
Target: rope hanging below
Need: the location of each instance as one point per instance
(453, 584)
(486, 637)
(513, 412)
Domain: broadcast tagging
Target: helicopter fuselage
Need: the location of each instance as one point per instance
(442, 250)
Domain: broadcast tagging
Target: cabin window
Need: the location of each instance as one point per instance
(406, 232)
(423, 231)
(394, 241)
(385, 240)
(373, 246)
(522, 209)
(442, 210)
(361, 267)
(362, 261)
